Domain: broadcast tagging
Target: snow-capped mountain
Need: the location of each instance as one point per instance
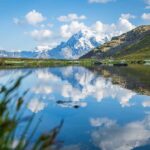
(78, 45)
(18, 54)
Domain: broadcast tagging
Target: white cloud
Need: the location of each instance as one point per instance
(42, 90)
(146, 16)
(148, 4)
(34, 17)
(72, 25)
(124, 24)
(102, 30)
(99, 29)
(68, 71)
(86, 84)
(36, 105)
(100, 1)
(112, 136)
(71, 17)
(68, 30)
(97, 122)
(146, 103)
(44, 47)
(127, 16)
(46, 76)
(90, 86)
(40, 35)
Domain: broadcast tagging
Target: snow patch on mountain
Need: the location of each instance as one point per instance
(78, 45)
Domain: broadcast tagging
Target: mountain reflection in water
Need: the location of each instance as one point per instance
(105, 108)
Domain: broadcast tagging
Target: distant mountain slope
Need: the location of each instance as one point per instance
(20, 54)
(133, 44)
(78, 45)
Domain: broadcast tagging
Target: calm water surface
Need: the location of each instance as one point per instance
(101, 109)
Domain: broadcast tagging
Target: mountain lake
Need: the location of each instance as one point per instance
(95, 108)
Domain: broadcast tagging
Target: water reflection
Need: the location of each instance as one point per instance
(109, 135)
(134, 77)
(102, 108)
(35, 105)
(75, 85)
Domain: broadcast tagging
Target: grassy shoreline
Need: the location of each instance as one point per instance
(24, 62)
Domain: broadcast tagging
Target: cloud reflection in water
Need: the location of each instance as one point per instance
(111, 136)
(78, 85)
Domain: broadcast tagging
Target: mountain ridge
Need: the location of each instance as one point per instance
(76, 46)
(125, 44)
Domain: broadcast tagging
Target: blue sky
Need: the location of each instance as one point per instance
(26, 24)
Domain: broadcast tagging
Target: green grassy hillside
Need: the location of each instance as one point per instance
(140, 50)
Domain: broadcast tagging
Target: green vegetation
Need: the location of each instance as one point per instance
(138, 51)
(22, 63)
(10, 120)
(31, 63)
(124, 61)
